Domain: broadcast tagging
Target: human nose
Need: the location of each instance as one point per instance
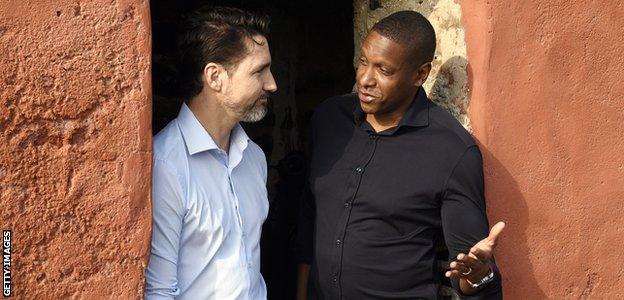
(270, 85)
(366, 76)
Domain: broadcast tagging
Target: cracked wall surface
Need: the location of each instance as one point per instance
(75, 160)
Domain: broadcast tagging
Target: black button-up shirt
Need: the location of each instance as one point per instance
(382, 200)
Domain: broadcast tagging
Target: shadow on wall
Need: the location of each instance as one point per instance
(502, 191)
(510, 207)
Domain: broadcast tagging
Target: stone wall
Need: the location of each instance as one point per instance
(75, 161)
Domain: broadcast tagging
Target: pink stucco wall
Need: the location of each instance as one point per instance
(547, 106)
(75, 116)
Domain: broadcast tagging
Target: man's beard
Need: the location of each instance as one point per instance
(257, 111)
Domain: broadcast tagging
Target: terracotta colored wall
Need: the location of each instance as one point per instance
(75, 130)
(547, 107)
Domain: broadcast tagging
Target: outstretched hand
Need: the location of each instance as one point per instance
(476, 264)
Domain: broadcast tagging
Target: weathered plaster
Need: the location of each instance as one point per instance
(547, 107)
(76, 157)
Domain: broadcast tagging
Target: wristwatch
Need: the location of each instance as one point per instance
(485, 280)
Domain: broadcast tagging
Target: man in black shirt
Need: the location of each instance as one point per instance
(391, 170)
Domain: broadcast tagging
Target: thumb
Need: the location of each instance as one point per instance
(495, 232)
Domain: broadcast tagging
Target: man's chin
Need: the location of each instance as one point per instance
(255, 115)
(368, 108)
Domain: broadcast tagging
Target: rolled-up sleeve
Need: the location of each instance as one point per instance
(167, 220)
(464, 219)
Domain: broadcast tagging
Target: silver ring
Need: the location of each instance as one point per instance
(467, 273)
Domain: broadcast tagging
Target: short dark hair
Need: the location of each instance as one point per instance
(412, 30)
(215, 34)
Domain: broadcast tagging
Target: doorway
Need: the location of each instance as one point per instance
(311, 43)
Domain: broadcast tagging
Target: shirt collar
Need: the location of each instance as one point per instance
(238, 139)
(197, 139)
(417, 115)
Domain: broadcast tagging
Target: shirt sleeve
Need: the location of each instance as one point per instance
(464, 219)
(167, 220)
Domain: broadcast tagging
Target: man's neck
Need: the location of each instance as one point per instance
(214, 119)
(381, 122)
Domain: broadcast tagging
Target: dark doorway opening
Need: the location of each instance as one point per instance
(311, 43)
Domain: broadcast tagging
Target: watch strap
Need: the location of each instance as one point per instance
(485, 280)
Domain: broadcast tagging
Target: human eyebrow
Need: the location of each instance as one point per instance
(262, 67)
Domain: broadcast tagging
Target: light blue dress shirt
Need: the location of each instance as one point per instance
(208, 209)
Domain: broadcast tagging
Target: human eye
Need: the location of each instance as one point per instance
(261, 69)
(362, 61)
(385, 71)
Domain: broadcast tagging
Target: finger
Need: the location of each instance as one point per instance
(452, 274)
(469, 261)
(495, 232)
(465, 272)
(458, 266)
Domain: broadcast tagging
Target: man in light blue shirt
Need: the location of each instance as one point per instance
(209, 179)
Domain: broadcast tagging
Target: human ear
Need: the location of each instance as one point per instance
(423, 73)
(212, 76)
